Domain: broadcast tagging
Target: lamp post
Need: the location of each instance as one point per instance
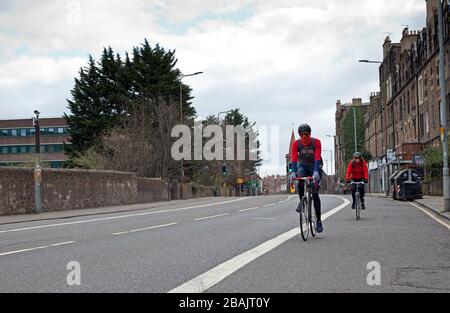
(181, 122)
(37, 170)
(331, 160)
(218, 120)
(369, 61)
(443, 129)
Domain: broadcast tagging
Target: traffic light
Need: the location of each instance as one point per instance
(224, 169)
(290, 167)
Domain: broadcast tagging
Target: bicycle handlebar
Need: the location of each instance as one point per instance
(303, 178)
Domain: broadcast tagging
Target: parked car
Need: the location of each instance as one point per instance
(406, 185)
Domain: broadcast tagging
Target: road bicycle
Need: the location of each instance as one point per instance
(308, 219)
(357, 199)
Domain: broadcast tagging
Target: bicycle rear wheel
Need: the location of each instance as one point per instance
(312, 218)
(304, 218)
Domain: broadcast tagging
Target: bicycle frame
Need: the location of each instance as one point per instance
(357, 198)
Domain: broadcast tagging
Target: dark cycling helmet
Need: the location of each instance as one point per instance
(357, 155)
(304, 128)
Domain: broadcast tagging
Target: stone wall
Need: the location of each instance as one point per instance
(16, 191)
(63, 189)
(152, 190)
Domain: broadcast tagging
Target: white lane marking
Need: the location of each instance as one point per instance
(23, 250)
(431, 215)
(36, 248)
(249, 209)
(212, 216)
(270, 204)
(116, 217)
(141, 229)
(62, 243)
(220, 272)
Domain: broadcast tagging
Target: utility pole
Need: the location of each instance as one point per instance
(37, 170)
(354, 127)
(181, 122)
(443, 130)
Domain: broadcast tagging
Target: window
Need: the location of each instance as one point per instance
(23, 132)
(14, 132)
(420, 89)
(13, 150)
(23, 149)
(4, 150)
(427, 125)
(51, 149)
(415, 128)
(389, 89)
(401, 109)
(421, 126)
(61, 130)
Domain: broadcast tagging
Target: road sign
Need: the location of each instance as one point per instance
(390, 155)
(240, 180)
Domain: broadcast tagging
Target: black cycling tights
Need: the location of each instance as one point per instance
(316, 199)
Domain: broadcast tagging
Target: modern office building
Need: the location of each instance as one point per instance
(17, 142)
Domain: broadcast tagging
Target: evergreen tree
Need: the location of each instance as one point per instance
(90, 115)
(106, 92)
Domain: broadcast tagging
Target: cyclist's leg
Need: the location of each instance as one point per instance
(301, 189)
(315, 194)
(361, 192)
(353, 195)
(301, 173)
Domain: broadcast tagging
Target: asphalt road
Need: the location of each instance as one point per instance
(230, 245)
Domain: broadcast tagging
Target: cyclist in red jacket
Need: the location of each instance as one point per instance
(307, 161)
(357, 171)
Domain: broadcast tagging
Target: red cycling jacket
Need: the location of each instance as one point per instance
(357, 170)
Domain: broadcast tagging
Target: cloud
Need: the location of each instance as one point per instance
(25, 70)
(281, 62)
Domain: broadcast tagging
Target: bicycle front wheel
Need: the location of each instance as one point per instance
(304, 218)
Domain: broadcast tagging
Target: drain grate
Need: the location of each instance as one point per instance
(436, 278)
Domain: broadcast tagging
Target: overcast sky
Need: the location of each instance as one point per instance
(282, 62)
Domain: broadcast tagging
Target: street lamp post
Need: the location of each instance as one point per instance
(331, 159)
(181, 122)
(443, 129)
(220, 167)
(354, 128)
(369, 61)
(37, 170)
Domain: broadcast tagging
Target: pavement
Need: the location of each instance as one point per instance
(433, 203)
